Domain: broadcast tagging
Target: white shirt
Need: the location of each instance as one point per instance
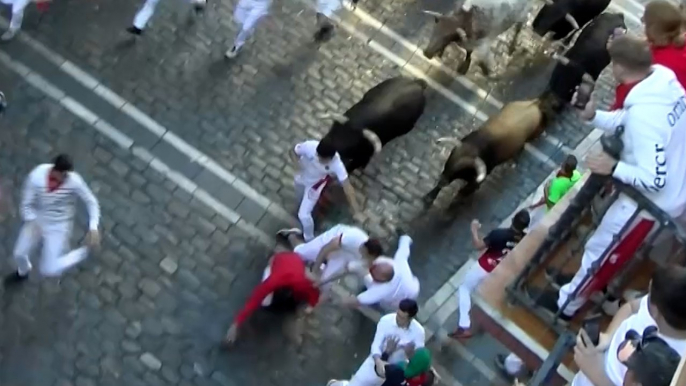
(313, 171)
(351, 239)
(388, 327)
(639, 321)
(403, 285)
(57, 206)
(654, 155)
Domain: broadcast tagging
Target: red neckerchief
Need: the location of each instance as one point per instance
(53, 183)
(621, 93)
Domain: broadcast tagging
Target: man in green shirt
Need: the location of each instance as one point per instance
(555, 189)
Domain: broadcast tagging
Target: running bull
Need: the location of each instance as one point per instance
(475, 26)
(500, 139)
(552, 18)
(387, 111)
(587, 56)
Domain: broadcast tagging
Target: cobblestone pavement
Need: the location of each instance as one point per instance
(151, 306)
(246, 114)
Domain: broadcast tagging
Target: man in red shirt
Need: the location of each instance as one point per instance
(285, 287)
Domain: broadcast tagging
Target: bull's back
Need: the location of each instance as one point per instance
(517, 123)
(391, 108)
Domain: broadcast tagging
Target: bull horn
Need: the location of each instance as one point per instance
(462, 33)
(335, 116)
(449, 140)
(432, 13)
(572, 21)
(481, 169)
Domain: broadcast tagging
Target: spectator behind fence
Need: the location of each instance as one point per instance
(663, 307)
(653, 160)
(664, 30)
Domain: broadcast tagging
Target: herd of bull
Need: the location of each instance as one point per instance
(392, 108)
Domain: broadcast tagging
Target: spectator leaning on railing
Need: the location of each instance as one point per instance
(654, 156)
(663, 307)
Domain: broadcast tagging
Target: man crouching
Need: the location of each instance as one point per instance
(286, 287)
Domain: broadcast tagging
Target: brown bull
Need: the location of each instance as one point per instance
(500, 139)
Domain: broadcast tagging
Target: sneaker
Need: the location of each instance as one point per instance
(8, 35)
(134, 31)
(232, 53)
(323, 33)
(286, 232)
(14, 279)
(199, 6)
(461, 333)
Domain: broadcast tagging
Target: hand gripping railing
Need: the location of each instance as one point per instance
(544, 375)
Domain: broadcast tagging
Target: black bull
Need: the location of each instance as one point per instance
(588, 56)
(551, 18)
(387, 111)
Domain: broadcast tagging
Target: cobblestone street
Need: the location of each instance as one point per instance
(185, 243)
(152, 305)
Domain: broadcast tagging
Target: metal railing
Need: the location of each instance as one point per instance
(561, 232)
(544, 375)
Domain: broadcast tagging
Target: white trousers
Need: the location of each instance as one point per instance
(55, 239)
(472, 279)
(611, 224)
(248, 13)
(18, 7)
(337, 260)
(364, 376)
(144, 14)
(308, 197)
(513, 364)
(328, 7)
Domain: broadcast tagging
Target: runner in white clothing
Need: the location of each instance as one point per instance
(249, 13)
(143, 16)
(47, 209)
(318, 162)
(18, 7)
(342, 250)
(389, 280)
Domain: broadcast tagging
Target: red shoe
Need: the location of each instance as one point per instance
(461, 333)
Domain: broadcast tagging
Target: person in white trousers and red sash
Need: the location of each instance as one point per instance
(47, 208)
(318, 162)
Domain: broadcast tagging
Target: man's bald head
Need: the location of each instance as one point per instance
(381, 271)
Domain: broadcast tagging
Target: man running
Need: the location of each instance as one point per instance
(317, 163)
(47, 208)
(342, 249)
(285, 287)
(143, 16)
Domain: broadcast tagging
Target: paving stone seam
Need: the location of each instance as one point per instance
(177, 178)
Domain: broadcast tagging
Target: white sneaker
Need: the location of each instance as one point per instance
(611, 308)
(8, 35)
(232, 53)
